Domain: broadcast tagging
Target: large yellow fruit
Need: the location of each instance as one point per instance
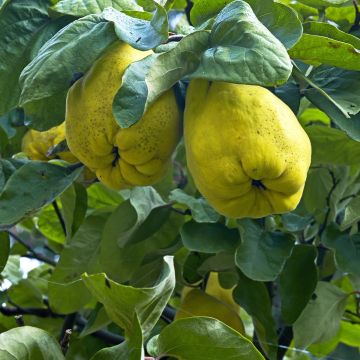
(245, 149)
(121, 158)
(36, 144)
(215, 302)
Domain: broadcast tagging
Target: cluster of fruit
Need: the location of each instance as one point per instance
(245, 149)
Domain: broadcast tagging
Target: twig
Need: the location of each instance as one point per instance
(19, 320)
(173, 38)
(64, 343)
(59, 215)
(69, 323)
(34, 253)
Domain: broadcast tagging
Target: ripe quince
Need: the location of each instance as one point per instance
(245, 149)
(121, 157)
(215, 302)
(36, 144)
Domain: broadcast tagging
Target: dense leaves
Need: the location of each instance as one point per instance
(113, 266)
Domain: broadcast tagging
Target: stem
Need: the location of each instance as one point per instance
(19, 320)
(322, 16)
(59, 215)
(69, 323)
(34, 253)
(64, 343)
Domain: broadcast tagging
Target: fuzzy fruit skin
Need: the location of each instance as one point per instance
(215, 302)
(237, 134)
(121, 158)
(36, 144)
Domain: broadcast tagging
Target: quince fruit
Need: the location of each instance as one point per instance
(36, 144)
(215, 302)
(245, 149)
(121, 157)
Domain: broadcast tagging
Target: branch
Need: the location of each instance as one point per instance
(59, 215)
(34, 254)
(68, 325)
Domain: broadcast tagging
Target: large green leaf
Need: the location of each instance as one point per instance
(145, 80)
(296, 293)
(346, 248)
(239, 45)
(254, 298)
(67, 292)
(123, 303)
(21, 22)
(5, 249)
(320, 320)
(281, 20)
(31, 187)
(73, 50)
(209, 238)
(29, 343)
(262, 255)
(332, 146)
(82, 8)
(317, 49)
(203, 338)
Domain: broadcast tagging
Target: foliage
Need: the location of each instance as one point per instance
(111, 265)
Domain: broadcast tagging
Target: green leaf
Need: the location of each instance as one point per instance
(237, 59)
(29, 343)
(320, 320)
(82, 8)
(316, 50)
(49, 225)
(74, 206)
(352, 213)
(31, 187)
(97, 320)
(332, 146)
(12, 271)
(5, 249)
(203, 338)
(131, 349)
(294, 222)
(209, 238)
(99, 196)
(123, 303)
(295, 294)
(262, 255)
(254, 298)
(318, 184)
(281, 20)
(346, 248)
(323, 3)
(341, 85)
(330, 31)
(145, 80)
(67, 292)
(73, 50)
(21, 21)
(349, 333)
(201, 210)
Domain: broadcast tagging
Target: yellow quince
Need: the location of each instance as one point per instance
(121, 157)
(215, 302)
(245, 149)
(36, 144)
